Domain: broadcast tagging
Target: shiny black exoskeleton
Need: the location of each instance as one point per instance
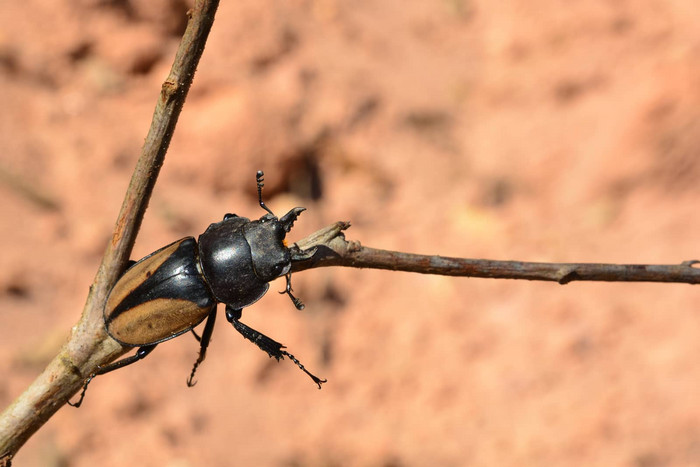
(172, 290)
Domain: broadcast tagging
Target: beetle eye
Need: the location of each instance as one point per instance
(281, 269)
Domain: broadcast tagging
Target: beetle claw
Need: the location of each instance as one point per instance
(82, 393)
(315, 378)
(288, 290)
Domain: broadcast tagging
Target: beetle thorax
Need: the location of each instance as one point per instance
(239, 257)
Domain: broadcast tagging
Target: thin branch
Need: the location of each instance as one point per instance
(334, 250)
(89, 346)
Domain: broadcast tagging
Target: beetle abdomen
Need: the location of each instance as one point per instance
(160, 297)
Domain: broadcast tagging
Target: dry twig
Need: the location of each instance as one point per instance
(89, 346)
(334, 250)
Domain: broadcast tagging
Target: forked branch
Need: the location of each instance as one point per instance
(89, 346)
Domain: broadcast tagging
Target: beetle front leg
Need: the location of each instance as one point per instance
(203, 344)
(140, 354)
(288, 290)
(271, 346)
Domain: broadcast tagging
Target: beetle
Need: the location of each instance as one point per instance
(175, 288)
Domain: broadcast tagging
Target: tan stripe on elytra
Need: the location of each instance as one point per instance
(155, 321)
(137, 273)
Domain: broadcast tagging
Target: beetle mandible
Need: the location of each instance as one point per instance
(172, 290)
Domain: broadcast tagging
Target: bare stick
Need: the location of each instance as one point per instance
(89, 346)
(334, 250)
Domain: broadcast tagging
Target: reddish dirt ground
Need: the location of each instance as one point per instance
(537, 130)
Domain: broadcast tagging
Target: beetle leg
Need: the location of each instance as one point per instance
(271, 346)
(82, 394)
(288, 290)
(140, 354)
(203, 344)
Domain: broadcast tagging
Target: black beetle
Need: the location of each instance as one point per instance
(172, 290)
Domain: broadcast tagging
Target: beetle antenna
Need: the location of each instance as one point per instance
(259, 180)
(288, 290)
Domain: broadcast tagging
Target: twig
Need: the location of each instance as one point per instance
(334, 250)
(89, 346)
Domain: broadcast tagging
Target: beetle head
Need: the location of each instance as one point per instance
(271, 257)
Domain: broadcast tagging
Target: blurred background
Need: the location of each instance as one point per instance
(537, 130)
